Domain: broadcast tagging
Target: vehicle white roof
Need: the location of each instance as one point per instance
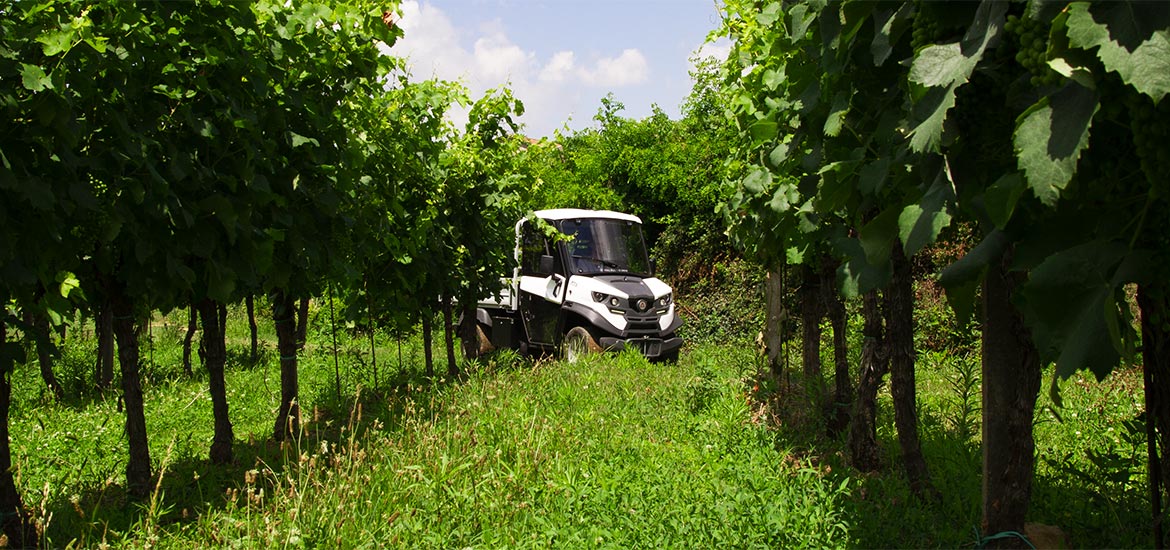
(573, 213)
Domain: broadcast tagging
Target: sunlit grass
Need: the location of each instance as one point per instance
(614, 451)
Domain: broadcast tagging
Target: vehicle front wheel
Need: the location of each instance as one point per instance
(579, 341)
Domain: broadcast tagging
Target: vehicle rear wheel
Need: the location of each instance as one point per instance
(579, 341)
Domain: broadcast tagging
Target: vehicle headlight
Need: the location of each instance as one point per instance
(665, 300)
(614, 302)
(598, 297)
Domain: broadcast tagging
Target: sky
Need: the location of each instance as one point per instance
(560, 57)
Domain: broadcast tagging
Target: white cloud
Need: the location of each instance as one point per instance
(430, 42)
(485, 58)
(497, 59)
(628, 68)
(719, 49)
(559, 68)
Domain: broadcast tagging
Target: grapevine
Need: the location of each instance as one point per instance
(1108, 175)
(927, 28)
(980, 118)
(1031, 38)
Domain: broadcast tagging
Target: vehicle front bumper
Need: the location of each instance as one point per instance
(649, 346)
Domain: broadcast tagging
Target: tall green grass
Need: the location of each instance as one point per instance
(613, 451)
(606, 453)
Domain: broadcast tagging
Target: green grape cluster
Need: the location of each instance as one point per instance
(926, 30)
(1108, 170)
(1150, 125)
(1032, 48)
(981, 120)
(1113, 108)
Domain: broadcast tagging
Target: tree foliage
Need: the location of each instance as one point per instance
(668, 172)
(969, 127)
(871, 124)
(159, 155)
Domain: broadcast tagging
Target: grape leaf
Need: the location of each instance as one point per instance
(783, 198)
(55, 42)
(856, 275)
(1132, 38)
(962, 278)
(1001, 197)
(837, 112)
(919, 224)
(931, 110)
(878, 236)
(299, 140)
(757, 181)
(941, 65)
(883, 26)
(942, 68)
(873, 175)
(769, 15)
(1050, 136)
(762, 131)
(1067, 299)
(779, 154)
(33, 78)
(800, 20)
(67, 283)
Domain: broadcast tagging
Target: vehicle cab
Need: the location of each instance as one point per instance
(583, 282)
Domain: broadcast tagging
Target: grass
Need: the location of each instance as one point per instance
(612, 452)
(601, 454)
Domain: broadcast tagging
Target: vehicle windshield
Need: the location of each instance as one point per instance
(605, 246)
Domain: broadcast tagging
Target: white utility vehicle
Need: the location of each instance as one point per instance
(589, 289)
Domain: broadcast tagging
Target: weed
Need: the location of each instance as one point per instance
(962, 397)
(702, 389)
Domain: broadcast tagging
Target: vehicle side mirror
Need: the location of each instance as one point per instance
(546, 264)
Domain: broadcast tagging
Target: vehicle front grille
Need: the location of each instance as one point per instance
(642, 325)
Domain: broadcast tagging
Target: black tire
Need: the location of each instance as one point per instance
(579, 341)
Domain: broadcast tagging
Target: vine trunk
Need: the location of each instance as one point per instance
(284, 317)
(213, 338)
(1011, 384)
(863, 447)
(899, 312)
(14, 521)
(138, 468)
(1154, 308)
